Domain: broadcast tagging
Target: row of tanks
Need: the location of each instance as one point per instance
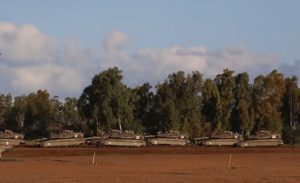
(131, 139)
(66, 138)
(228, 138)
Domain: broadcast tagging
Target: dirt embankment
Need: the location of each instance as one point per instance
(150, 164)
(82, 151)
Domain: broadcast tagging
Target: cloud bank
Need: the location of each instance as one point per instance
(31, 60)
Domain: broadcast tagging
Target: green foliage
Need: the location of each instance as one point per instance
(108, 102)
(226, 84)
(16, 117)
(243, 111)
(183, 102)
(178, 103)
(5, 108)
(211, 104)
(38, 114)
(143, 102)
(268, 95)
(291, 135)
(291, 102)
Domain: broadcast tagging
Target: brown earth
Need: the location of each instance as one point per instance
(151, 164)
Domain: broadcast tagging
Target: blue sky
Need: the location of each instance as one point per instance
(265, 31)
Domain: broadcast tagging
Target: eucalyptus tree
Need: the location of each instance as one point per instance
(211, 105)
(243, 112)
(16, 117)
(291, 111)
(38, 114)
(178, 103)
(268, 92)
(226, 84)
(70, 114)
(106, 103)
(291, 103)
(143, 104)
(5, 107)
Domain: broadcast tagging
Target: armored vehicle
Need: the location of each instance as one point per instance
(227, 138)
(34, 143)
(64, 139)
(262, 138)
(4, 148)
(66, 134)
(10, 138)
(200, 140)
(169, 138)
(122, 138)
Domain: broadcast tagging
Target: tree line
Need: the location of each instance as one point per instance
(183, 102)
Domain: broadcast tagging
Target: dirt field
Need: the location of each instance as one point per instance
(165, 164)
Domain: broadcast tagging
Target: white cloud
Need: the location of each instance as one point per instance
(292, 69)
(240, 59)
(24, 44)
(154, 65)
(31, 60)
(116, 41)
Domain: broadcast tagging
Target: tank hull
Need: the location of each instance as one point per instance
(261, 143)
(4, 148)
(168, 141)
(123, 142)
(11, 142)
(221, 142)
(62, 142)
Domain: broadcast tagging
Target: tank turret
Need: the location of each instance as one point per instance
(66, 134)
(8, 134)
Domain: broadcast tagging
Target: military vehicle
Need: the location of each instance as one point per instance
(227, 138)
(200, 140)
(10, 138)
(169, 138)
(66, 134)
(262, 138)
(122, 138)
(64, 139)
(4, 148)
(34, 143)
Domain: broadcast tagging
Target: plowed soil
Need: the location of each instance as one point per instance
(151, 164)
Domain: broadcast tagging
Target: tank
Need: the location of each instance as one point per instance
(122, 138)
(200, 140)
(227, 138)
(3, 148)
(34, 143)
(262, 138)
(66, 134)
(64, 139)
(10, 138)
(169, 138)
(64, 142)
(8, 134)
